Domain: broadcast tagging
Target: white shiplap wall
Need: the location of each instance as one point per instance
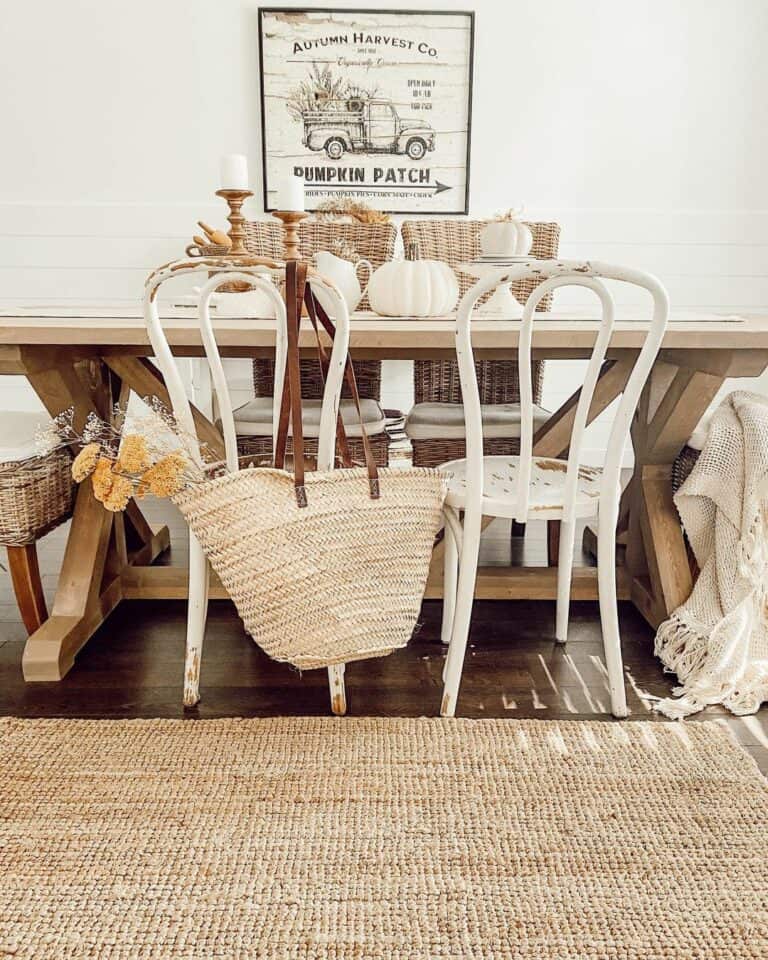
(638, 128)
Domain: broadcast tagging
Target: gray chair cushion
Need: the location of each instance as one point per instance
(254, 419)
(445, 421)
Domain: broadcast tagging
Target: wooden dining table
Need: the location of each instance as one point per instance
(89, 357)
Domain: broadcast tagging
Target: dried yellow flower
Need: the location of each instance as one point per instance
(134, 456)
(85, 462)
(103, 478)
(165, 478)
(120, 493)
(345, 207)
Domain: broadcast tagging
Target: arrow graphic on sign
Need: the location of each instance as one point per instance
(436, 187)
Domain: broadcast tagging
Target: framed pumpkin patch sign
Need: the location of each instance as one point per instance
(368, 105)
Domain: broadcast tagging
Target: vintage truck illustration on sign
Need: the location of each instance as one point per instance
(364, 125)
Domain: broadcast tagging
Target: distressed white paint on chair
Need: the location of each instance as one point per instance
(527, 487)
(261, 279)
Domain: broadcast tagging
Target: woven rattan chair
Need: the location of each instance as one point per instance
(36, 495)
(435, 425)
(371, 241)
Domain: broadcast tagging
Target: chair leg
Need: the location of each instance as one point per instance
(465, 595)
(553, 542)
(27, 586)
(338, 690)
(566, 535)
(450, 579)
(609, 615)
(197, 613)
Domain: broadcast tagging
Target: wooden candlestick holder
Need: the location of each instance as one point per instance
(235, 199)
(290, 220)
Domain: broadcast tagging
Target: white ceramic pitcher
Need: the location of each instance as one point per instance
(344, 275)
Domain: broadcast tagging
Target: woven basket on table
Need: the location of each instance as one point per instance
(437, 381)
(263, 238)
(35, 496)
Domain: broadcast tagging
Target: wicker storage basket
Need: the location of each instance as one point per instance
(341, 579)
(457, 241)
(324, 567)
(35, 496)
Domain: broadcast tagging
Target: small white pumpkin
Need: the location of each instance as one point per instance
(413, 288)
(506, 238)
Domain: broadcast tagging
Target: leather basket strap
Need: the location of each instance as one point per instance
(342, 443)
(290, 403)
(317, 313)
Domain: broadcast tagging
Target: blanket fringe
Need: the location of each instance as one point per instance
(682, 650)
(744, 702)
(677, 708)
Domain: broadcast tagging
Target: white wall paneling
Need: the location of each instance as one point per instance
(639, 128)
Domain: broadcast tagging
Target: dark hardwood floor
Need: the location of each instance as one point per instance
(133, 666)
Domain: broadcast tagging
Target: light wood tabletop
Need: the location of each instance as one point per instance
(120, 325)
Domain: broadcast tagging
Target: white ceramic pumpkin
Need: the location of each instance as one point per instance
(413, 288)
(506, 238)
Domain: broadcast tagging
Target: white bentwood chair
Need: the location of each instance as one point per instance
(260, 279)
(526, 487)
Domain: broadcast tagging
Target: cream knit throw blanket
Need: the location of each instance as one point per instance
(717, 641)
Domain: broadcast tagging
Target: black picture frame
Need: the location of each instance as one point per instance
(463, 209)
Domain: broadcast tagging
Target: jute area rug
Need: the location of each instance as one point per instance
(376, 839)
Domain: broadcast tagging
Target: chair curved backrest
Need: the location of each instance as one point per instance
(550, 275)
(260, 279)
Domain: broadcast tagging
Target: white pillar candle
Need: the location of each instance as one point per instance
(290, 193)
(233, 172)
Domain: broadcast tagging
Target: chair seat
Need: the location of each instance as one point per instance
(254, 419)
(17, 434)
(445, 421)
(547, 488)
